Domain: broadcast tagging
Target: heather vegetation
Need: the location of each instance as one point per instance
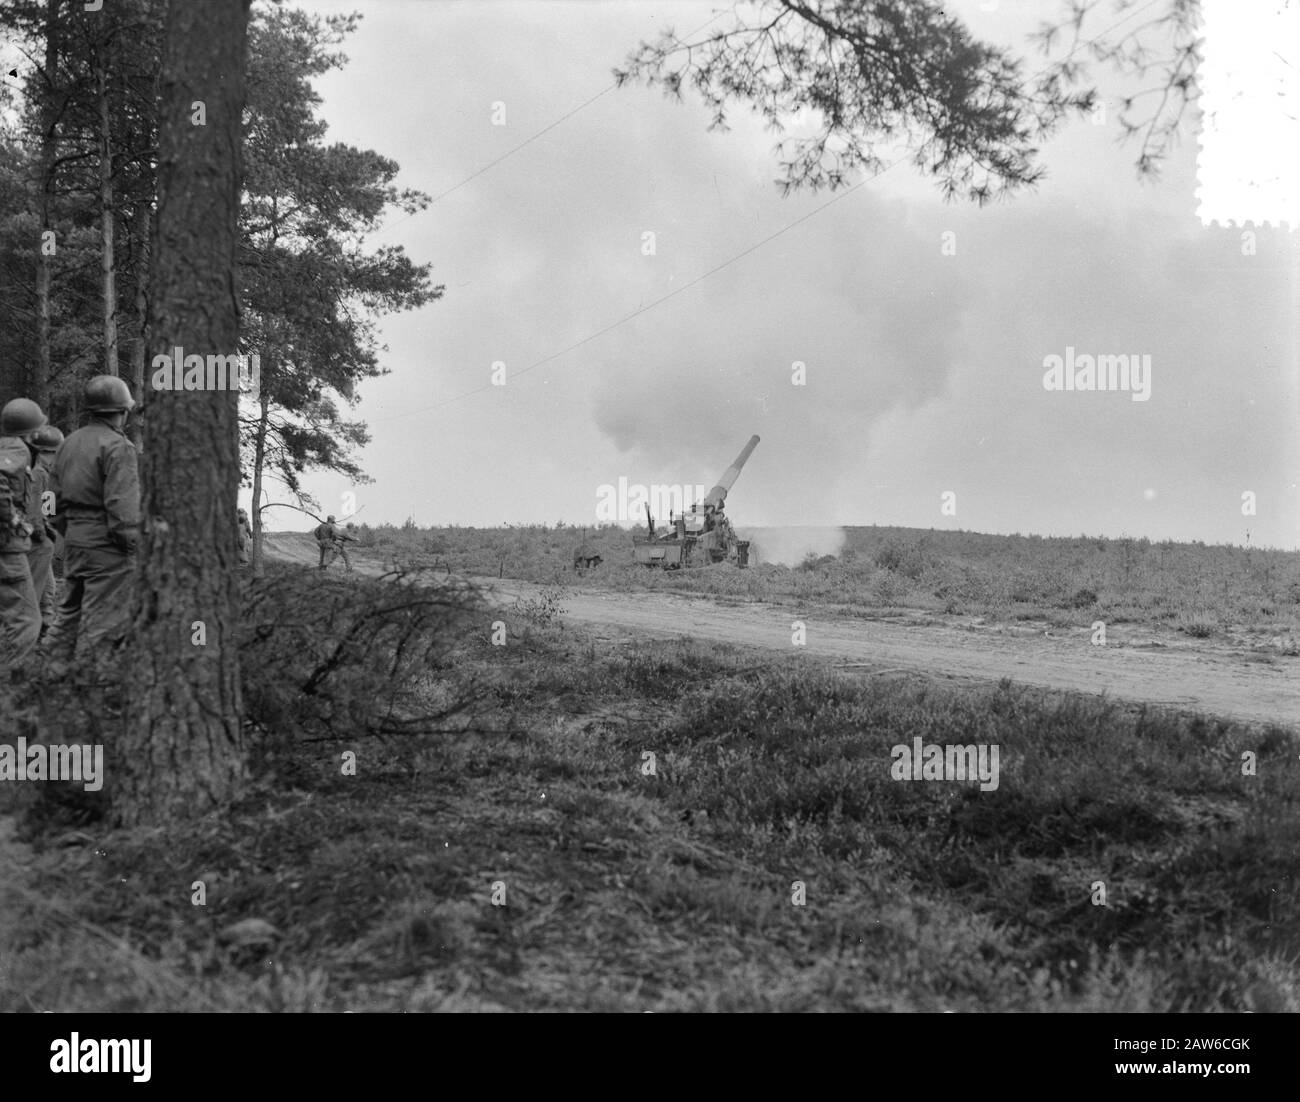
(522, 768)
(1234, 594)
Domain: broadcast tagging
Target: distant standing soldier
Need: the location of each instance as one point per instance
(344, 538)
(96, 487)
(42, 515)
(324, 534)
(20, 615)
(245, 536)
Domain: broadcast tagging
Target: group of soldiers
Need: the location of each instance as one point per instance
(333, 542)
(73, 503)
(70, 509)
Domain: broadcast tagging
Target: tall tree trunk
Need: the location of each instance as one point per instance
(41, 369)
(140, 247)
(259, 460)
(107, 268)
(40, 384)
(182, 744)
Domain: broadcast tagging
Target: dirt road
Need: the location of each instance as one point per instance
(1134, 665)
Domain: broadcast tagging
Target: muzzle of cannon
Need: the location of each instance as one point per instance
(718, 495)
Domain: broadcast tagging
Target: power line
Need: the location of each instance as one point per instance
(726, 263)
(493, 164)
(526, 142)
(659, 301)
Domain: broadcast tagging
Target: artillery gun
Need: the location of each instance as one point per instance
(700, 535)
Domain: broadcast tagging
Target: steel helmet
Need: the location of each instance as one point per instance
(107, 394)
(20, 416)
(329, 519)
(47, 439)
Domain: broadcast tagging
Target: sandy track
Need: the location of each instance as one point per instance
(1197, 676)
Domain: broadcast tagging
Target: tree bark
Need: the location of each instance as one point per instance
(49, 122)
(140, 246)
(182, 751)
(107, 264)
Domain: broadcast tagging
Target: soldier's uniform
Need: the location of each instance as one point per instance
(344, 538)
(324, 534)
(96, 485)
(46, 587)
(44, 537)
(20, 615)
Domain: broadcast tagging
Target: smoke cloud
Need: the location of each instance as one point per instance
(790, 546)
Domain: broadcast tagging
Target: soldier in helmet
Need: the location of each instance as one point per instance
(20, 615)
(324, 534)
(330, 539)
(41, 513)
(348, 535)
(96, 488)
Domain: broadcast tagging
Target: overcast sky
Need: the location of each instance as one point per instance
(924, 370)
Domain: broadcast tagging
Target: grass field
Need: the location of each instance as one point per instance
(1246, 596)
(621, 890)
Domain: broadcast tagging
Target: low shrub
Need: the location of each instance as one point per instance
(336, 657)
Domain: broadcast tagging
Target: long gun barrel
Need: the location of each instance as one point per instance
(718, 494)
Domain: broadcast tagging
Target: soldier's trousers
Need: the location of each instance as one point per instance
(49, 599)
(41, 560)
(331, 551)
(20, 615)
(95, 608)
